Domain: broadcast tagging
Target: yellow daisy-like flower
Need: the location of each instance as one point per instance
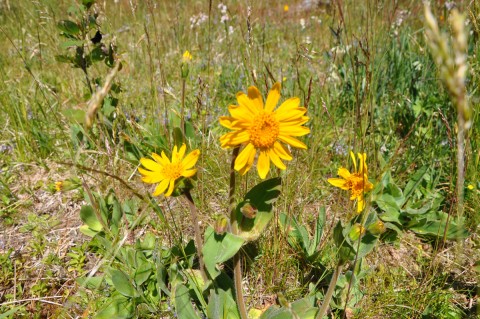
(166, 172)
(357, 182)
(186, 57)
(261, 128)
(59, 186)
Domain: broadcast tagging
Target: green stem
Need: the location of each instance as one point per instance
(237, 266)
(198, 236)
(182, 112)
(329, 294)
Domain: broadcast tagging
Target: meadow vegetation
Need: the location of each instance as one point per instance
(239, 159)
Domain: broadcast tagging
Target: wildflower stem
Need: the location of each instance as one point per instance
(237, 266)
(329, 294)
(198, 236)
(182, 112)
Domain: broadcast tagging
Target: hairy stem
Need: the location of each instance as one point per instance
(198, 236)
(182, 112)
(237, 266)
(329, 294)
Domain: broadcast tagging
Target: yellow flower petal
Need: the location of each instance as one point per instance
(343, 173)
(360, 204)
(165, 158)
(282, 152)
(263, 164)
(227, 121)
(292, 141)
(160, 159)
(275, 159)
(170, 188)
(288, 105)
(240, 112)
(256, 97)
(191, 159)
(181, 153)
(150, 177)
(338, 182)
(189, 172)
(354, 161)
(234, 138)
(273, 97)
(161, 187)
(150, 165)
(294, 130)
(245, 157)
(250, 105)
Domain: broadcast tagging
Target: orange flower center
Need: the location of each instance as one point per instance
(264, 130)
(172, 171)
(358, 184)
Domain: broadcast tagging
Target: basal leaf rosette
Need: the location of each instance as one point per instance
(262, 129)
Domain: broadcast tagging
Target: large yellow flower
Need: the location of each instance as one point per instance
(166, 172)
(261, 128)
(357, 182)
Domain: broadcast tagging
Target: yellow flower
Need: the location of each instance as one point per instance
(166, 172)
(470, 187)
(357, 182)
(58, 186)
(187, 57)
(285, 8)
(261, 128)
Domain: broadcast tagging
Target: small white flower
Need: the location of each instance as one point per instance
(302, 23)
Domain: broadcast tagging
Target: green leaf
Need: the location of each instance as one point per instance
(218, 249)
(297, 235)
(367, 243)
(143, 271)
(74, 115)
(68, 27)
(119, 308)
(117, 214)
(87, 215)
(303, 308)
(122, 283)
(261, 197)
(183, 305)
(84, 229)
(436, 227)
(10, 312)
(318, 231)
(275, 312)
(222, 305)
(71, 43)
(91, 283)
(414, 182)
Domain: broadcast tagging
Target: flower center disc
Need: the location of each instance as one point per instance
(356, 184)
(172, 171)
(264, 130)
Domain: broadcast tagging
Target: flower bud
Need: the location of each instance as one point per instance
(221, 225)
(185, 67)
(377, 228)
(249, 211)
(356, 232)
